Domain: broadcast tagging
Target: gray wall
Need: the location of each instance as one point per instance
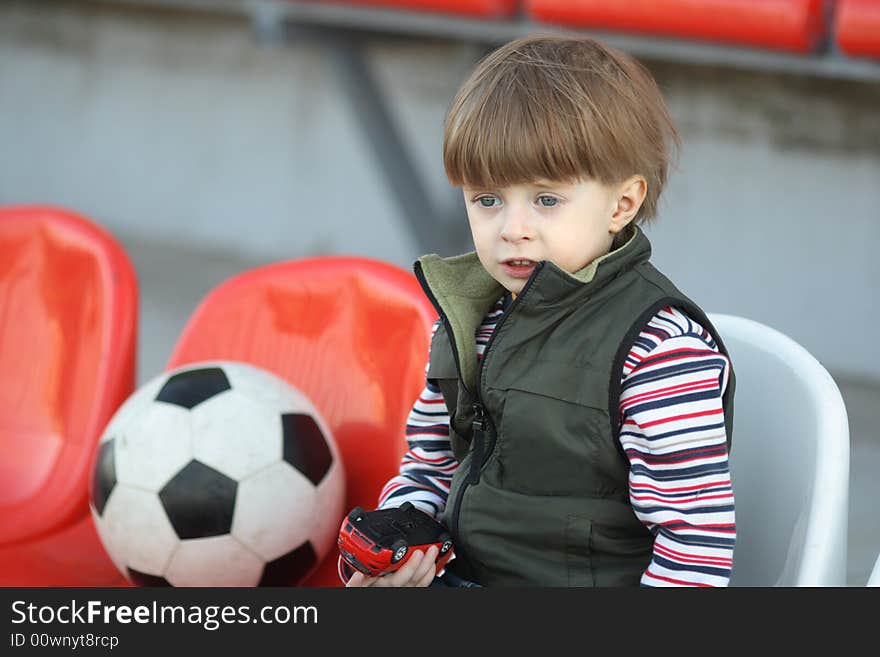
(173, 127)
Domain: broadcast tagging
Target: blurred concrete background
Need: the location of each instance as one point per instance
(206, 152)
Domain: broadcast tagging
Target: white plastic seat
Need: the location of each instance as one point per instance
(874, 577)
(789, 461)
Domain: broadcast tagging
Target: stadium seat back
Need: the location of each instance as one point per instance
(789, 461)
(351, 333)
(68, 328)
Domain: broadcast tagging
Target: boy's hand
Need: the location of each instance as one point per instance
(418, 570)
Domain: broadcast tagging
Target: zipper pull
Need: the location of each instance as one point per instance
(479, 423)
(478, 440)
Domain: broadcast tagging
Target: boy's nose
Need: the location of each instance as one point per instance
(516, 226)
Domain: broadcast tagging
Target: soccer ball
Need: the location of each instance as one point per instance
(217, 474)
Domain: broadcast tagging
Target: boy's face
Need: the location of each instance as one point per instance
(570, 224)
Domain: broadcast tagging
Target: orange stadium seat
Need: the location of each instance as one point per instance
(791, 25)
(68, 330)
(351, 333)
(478, 8)
(857, 27)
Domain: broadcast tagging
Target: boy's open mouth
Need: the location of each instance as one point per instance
(518, 267)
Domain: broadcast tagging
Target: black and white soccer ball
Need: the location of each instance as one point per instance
(217, 474)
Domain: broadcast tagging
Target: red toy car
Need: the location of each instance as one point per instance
(378, 542)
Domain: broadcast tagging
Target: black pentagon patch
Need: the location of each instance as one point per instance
(305, 447)
(104, 475)
(192, 387)
(142, 579)
(199, 501)
(291, 568)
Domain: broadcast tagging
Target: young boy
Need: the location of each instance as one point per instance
(575, 425)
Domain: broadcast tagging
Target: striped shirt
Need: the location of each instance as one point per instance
(672, 431)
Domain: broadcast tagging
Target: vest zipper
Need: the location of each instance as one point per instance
(485, 450)
(480, 451)
(478, 440)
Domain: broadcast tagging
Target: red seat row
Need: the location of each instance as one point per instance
(798, 26)
(792, 25)
(351, 333)
(478, 8)
(858, 27)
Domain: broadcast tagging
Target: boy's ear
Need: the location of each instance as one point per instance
(629, 198)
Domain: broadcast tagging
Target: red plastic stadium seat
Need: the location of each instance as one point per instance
(68, 328)
(479, 8)
(792, 25)
(857, 27)
(351, 333)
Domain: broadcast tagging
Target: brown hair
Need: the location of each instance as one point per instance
(559, 108)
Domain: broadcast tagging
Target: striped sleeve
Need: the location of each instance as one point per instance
(427, 467)
(673, 434)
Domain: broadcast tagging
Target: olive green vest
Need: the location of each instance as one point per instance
(540, 496)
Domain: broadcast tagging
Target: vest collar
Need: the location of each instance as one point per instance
(553, 285)
(463, 291)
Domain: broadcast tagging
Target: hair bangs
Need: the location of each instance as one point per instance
(507, 135)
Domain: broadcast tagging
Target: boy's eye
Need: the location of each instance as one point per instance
(547, 201)
(488, 201)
